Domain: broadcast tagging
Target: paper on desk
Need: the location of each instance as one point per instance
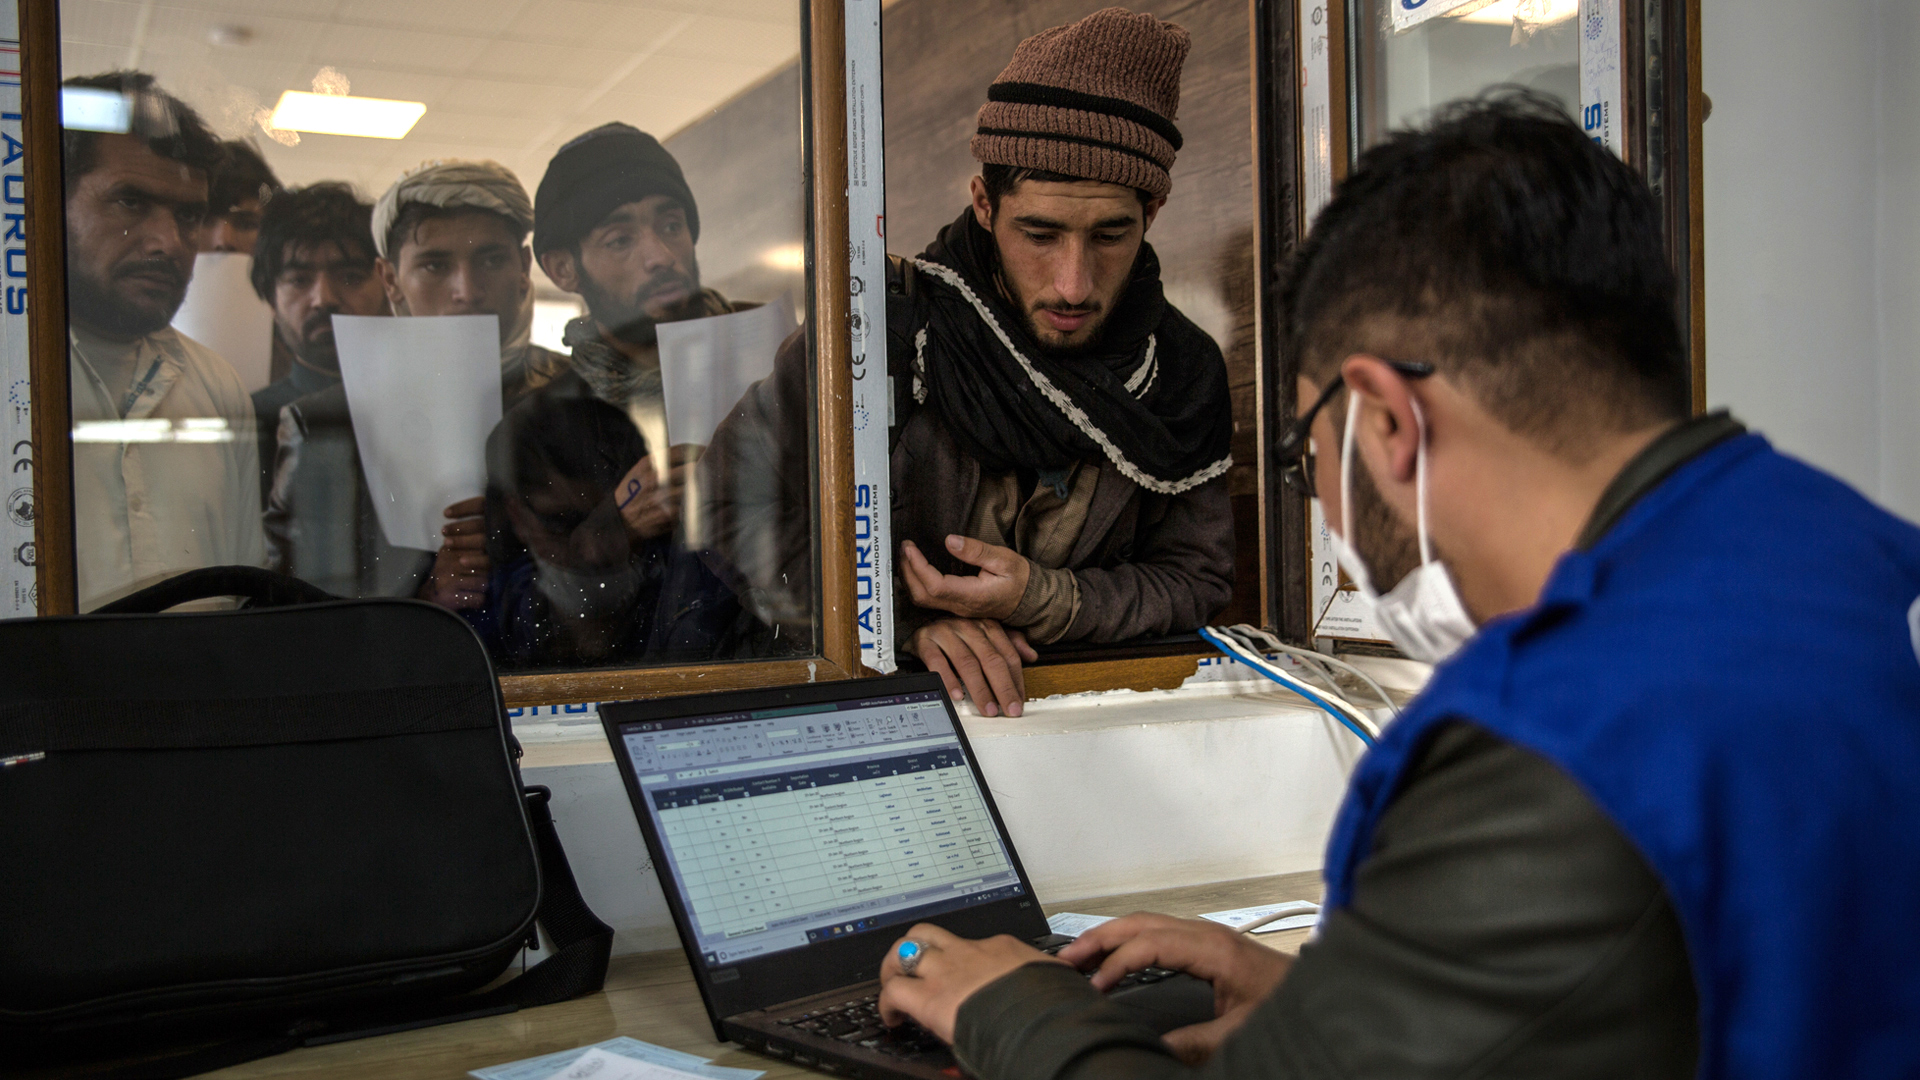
(1309, 913)
(223, 313)
(546, 1065)
(706, 365)
(1071, 925)
(600, 1065)
(424, 392)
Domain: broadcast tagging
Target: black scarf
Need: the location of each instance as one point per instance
(1168, 432)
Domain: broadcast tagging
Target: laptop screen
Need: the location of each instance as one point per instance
(787, 826)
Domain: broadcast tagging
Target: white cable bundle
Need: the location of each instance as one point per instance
(1331, 702)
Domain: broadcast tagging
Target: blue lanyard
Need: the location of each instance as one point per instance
(133, 395)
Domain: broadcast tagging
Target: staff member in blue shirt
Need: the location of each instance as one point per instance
(1655, 814)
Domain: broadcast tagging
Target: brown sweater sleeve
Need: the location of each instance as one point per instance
(1502, 926)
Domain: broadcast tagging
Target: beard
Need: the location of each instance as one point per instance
(1088, 338)
(628, 318)
(1387, 545)
(98, 304)
(315, 345)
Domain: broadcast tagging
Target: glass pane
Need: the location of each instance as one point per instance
(1104, 446)
(455, 301)
(1404, 73)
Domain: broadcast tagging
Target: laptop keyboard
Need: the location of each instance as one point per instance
(857, 1023)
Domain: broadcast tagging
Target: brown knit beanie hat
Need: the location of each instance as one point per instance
(1095, 99)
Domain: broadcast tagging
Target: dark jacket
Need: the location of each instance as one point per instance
(1500, 924)
(1145, 563)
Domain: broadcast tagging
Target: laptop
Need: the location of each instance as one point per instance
(799, 831)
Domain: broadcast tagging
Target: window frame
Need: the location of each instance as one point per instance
(1284, 588)
(1661, 67)
(823, 139)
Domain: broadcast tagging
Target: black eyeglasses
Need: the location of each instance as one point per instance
(1294, 452)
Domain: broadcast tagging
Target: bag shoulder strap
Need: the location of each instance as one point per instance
(261, 588)
(582, 944)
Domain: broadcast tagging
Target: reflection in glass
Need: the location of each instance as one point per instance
(1403, 74)
(580, 176)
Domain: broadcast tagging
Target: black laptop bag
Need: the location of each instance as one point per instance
(299, 822)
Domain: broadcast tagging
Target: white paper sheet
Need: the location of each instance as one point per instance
(1070, 924)
(424, 392)
(223, 313)
(597, 1064)
(542, 1067)
(1307, 913)
(707, 364)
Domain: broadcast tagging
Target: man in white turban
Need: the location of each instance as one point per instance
(452, 239)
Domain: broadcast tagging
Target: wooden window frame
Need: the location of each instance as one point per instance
(825, 138)
(1662, 70)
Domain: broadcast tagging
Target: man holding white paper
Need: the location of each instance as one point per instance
(222, 310)
(588, 558)
(314, 259)
(452, 238)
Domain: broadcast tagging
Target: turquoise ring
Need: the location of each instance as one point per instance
(910, 953)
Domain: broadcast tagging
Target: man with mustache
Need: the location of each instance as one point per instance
(580, 566)
(165, 468)
(1060, 440)
(312, 259)
(315, 259)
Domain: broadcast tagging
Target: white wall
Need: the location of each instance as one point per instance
(1812, 166)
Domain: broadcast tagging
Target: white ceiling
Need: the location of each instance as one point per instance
(508, 80)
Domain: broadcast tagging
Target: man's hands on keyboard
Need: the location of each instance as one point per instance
(950, 970)
(1243, 971)
(857, 1022)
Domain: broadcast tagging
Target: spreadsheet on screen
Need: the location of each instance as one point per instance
(787, 826)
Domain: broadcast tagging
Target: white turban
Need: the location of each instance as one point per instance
(452, 184)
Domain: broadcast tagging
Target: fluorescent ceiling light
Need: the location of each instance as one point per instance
(84, 108)
(1542, 12)
(193, 429)
(340, 114)
(785, 257)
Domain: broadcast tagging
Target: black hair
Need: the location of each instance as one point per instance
(169, 126)
(1503, 246)
(414, 214)
(242, 174)
(329, 212)
(1001, 179)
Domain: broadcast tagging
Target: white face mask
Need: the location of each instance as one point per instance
(1423, 615)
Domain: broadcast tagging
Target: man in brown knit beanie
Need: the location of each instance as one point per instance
(1060, 439)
